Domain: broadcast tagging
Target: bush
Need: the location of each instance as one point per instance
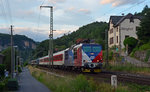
(25, 63)
(2, 86)
(80, 84)
(147, 56)
(131, 42)
(145, 46)
(111, 55)
(19, 69)
(12, 84)
(2, 68)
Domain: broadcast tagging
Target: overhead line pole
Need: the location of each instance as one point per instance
(12, 53)
(50, 35)
(106, 47)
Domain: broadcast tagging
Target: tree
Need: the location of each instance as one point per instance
(143, 31)
(7, 58)
(131, 42)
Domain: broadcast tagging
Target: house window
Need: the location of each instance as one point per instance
(111, 31)
(132, 19)
(111, 40)
(117, 39)
(126, 36)
(117, 29)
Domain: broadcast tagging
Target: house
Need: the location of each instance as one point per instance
(1, 58)
(121, 27)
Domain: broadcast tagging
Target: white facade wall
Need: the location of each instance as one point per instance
(126, 28)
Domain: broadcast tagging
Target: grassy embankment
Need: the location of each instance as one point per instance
(80, 84)
(144, 47)
(127, 67)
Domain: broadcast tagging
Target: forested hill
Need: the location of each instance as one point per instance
(25, 44)
(95, 31)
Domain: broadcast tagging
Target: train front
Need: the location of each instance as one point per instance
(92, 57)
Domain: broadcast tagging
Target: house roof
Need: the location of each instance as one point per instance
(116, 20)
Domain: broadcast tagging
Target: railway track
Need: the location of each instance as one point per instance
(121, 77)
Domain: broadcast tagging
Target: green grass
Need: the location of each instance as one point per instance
(80, 84)
(147, 56)
(145, 46)
(128, 68)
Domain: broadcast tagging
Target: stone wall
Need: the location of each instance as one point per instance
(141, 55)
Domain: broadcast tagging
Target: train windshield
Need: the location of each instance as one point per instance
(96, 48)
(87, 48)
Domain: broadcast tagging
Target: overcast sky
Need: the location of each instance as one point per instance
(28, 19)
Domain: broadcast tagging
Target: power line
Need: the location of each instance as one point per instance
(9, 11)
(4, 12)
(132, 6)
(138, 3)
(39, 16)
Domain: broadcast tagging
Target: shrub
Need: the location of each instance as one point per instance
(2, 68)
(12, 84)
(2, 86)
(80, 84)
(111, 55)
(131, 42)
(19, 69)
(147, 56)
(145, 46)
(25, 63)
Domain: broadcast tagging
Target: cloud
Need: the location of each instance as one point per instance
(71, 9)
(118, 2)
(106, 1)
(86, 11)
(56, 1)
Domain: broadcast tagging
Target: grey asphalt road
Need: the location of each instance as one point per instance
(28, 83)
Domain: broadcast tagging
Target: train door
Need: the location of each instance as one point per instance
(68, 58)
(77, 56)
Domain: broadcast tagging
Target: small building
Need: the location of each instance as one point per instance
(121, 27)
(1, 58)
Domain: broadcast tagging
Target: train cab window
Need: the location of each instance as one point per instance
(75, 53)
(87, 48)
(96, 49)
(66, 55)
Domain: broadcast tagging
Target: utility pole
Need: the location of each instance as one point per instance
(12, 54)
(106, 47)
(50, 35)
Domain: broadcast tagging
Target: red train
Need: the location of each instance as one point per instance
(85, 57)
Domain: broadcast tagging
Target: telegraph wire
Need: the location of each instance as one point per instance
(138, 3)
(133, 6)
(39, 16)
(9, 11)
(4, 13)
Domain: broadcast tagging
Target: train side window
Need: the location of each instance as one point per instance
(75, 53)
(66, 55)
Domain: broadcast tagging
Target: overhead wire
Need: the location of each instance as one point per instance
(138, 3)
(9, 11)
(4, 13)
(39, 16)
